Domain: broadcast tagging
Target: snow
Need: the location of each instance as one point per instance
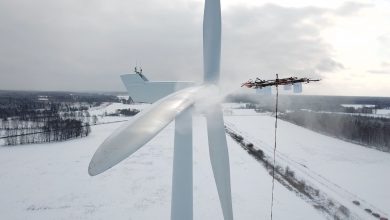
(109, 108)
(112, 107)
(357, 106)
(344, 170)
(383, 111)
(123, 97)
(50, 181)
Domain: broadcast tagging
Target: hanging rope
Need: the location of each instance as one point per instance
(260, 84)
(276, 127)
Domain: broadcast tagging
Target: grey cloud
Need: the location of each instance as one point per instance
(383, 69)
(385, 64)
(380, 71)
(86, 45)
(385, 39)
(327, 65)
(272, 39)
(350, 8)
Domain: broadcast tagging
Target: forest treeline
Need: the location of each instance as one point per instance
(28, 104)
(43, 129)
(368, 131)
(32, 117)
(315, 103)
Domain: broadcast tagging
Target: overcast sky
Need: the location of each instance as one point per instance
(87, 44)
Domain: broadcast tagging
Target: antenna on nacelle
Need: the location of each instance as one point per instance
(138, 70)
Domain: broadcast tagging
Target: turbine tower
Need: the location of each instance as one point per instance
(178, 106)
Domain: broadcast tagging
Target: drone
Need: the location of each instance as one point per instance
(259, 83)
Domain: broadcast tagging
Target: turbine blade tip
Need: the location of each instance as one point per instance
(93, 170)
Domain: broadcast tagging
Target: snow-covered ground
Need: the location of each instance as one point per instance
(112, 107)
(50, 181)
(344, 170)
(383, 111)
(357, 106)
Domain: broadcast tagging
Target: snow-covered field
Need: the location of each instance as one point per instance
(50, 181)
(383, 111)
(356, 106)
(344, 170)
(112, 107)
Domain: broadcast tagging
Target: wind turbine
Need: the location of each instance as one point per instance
(133, 135)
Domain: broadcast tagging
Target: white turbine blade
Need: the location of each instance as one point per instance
(219, 157)
(133, 135)
(182, 184)
(211, 40)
